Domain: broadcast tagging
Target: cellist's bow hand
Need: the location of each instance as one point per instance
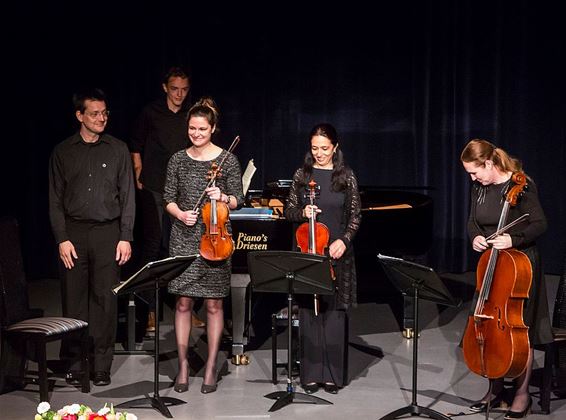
(214, 193)
(188, 217)
(337, 249)
(308, 211)
(501, 241)
(479, 243)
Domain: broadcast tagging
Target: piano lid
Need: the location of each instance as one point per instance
(395, 221)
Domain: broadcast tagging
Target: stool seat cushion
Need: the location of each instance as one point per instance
(47, 326)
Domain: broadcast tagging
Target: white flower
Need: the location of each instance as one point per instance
(74, 409)
(43, 407)
(103, 411)
(131, 416)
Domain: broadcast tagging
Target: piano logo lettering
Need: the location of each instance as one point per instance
(252, 242)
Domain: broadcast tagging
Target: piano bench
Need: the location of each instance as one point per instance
(280, 320)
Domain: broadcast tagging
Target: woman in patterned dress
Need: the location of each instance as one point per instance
(186, 180)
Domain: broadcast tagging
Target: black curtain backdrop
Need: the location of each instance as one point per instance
(407, 84)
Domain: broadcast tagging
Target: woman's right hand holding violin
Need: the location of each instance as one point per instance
(307, 211)
(188, 217)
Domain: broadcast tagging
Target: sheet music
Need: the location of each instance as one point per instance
(248, 174)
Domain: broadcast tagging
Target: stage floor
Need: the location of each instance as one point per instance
(380, 371)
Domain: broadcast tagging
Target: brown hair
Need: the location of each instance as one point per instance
(478, 151)
(207, 108)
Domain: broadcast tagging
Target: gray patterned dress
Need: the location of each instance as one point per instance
(186, 180)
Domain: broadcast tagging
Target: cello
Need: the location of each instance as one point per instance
(312, 236)
(216, 243)
(496, 340)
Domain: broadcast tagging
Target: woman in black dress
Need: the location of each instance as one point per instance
(324, 337)
(186, 179)
(491, 169)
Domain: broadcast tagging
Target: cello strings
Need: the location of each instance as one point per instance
(488, 276)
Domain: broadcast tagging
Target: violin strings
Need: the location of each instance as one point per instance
(214, 175)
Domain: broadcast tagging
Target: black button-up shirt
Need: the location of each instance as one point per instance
(157, 135)
(91, 182)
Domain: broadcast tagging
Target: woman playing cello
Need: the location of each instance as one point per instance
(187, 178)
(491, 169)
(324, 337)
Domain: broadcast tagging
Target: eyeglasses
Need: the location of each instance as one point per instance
(97, 114)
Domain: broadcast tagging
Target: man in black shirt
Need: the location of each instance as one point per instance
(159, 132)
(92, 210)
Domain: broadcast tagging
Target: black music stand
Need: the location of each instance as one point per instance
(155, 275)
(290, 272)
(416, 281)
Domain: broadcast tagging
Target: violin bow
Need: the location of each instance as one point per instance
(213, 177)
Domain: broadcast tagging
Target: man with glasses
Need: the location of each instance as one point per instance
(92, 209)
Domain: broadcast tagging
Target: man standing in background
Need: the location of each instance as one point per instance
(159, 132)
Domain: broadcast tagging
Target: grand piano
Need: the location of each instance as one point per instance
(396, 221)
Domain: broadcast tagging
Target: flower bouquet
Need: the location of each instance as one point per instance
(80, 412)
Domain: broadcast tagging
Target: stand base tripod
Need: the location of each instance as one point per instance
(155, 274)
(157, 402)
(290, 396)
(415, 410)
(410, 278)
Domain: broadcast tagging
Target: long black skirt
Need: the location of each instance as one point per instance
(324, 343)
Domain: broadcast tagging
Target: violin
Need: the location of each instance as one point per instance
(496, 340)
(216, 243)
(312, 236)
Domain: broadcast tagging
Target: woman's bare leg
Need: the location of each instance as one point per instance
(183, 310)
(214, 328)
(522, 398)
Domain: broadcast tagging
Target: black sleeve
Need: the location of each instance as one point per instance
(525, 234)
(354, 209)
(56, 193)
(294, 206)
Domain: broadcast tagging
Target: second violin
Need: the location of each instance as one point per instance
(313, 237)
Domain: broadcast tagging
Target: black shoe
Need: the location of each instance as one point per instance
(101, 378)
(181, 386)
(310, 388)
(497, 404)
(331, 388)
(73, 378)
(510, 415)
(207, 389)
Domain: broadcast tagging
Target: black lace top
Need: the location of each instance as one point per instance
(350, 220)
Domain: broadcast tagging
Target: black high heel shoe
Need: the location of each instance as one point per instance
(510, 415)
(498, 403)
(207, 389)
(310, 388)
(181, 386)
(331, 388)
